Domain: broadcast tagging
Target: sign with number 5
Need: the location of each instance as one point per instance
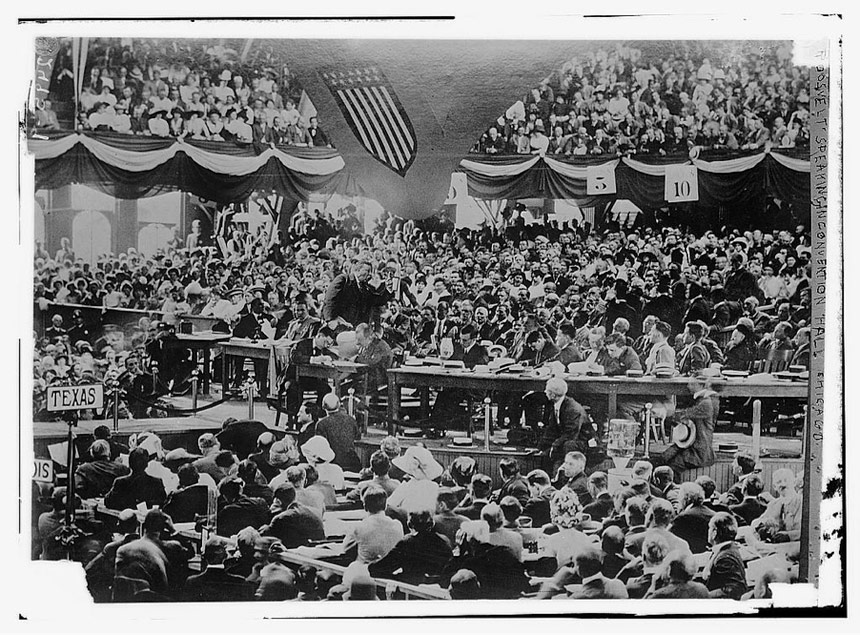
(600, 179)
(682, 183)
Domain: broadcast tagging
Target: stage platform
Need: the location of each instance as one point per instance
(183, 432)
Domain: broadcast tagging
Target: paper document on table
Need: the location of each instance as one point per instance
(59, 453)
(268, 330)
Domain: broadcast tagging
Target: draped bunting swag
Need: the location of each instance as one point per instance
(726, 179)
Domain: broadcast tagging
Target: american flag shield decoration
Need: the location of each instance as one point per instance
(373, 111)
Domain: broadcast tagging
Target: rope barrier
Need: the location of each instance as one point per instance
(174, 409)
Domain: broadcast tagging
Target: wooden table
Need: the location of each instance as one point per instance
(424, 377)
(245, 348)
(336, 372)
(203, 341)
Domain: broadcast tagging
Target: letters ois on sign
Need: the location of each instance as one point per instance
(61, 398)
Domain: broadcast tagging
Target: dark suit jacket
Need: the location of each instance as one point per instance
(183, 504)
(296, 526)
(517, 487)
(341, 431)
(570, 354)
(600, 508)
(473, 357)
(692, 525)
(748, 510)
(499, 572)
(249, 326)
(563, 435)
(242, 512)
(128, 491)
(345, 299)
(216, 585)
(419, 555)
(538, 508)
(728, 573)
(379, 357)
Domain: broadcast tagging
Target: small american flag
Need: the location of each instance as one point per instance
(375, 114)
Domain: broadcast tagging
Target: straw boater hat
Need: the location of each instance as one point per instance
(684, 434)
(317, 450)
(419, 463)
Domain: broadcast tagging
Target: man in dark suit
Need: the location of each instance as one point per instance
(293, 524)
(376, 354)
(692, 523)
(541, 492)
(571, 474)
(725, 573)
(750, 507)
(352, 298)
(514, 484)
(568, 350)
(447, 408)
(316, 348)
(421, 555)
(601, 505)
(341, 431)
(237, 511)
(190, 499)
(702, 414)
(595, 585)
(250, 326)
(214, 584)
(568, 425)
(478, 498)
(137, 487)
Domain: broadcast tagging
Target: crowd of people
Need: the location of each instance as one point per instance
(533, 536)
(659, 100)
(190, 90)
(537, 294)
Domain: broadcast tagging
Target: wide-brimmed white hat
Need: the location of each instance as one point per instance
(419, 463)
(317, 450)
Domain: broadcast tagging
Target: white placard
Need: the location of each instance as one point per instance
(43, 470)
(600, 179)
(61, 398)
(682, 183)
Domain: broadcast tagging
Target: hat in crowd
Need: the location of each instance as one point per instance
(284, 452)
(180, 454)
(317, 450)
(148, 441)
(391, 446)
(745, 321)
(206, 441)
(234, 291)
(225, 75)
(539, 127)
(419, 463)
(745, 330)
(684, 434)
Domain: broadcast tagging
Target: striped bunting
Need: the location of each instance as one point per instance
(375, 115)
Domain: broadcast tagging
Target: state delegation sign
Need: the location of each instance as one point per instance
(62, 398)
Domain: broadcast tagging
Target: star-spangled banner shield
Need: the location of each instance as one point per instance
(374, 113)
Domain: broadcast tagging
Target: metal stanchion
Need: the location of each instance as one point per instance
(250, 386)
(648, 420)
(487, 423)
(154, 366)
(194, 380)
(756, 429)
(350, 402)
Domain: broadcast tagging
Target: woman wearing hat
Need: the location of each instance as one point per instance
(319, 454)
(421, 490)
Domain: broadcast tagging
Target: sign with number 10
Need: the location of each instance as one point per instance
(682, 183)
